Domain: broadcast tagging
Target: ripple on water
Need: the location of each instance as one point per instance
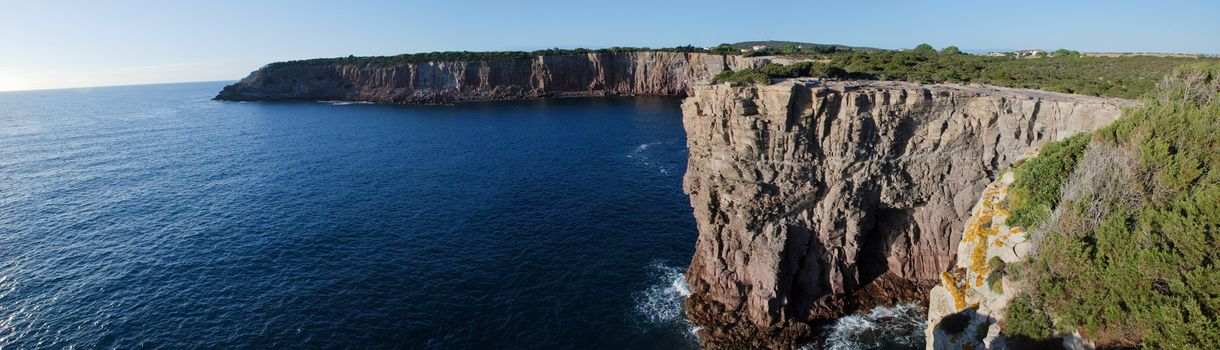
(152, 217)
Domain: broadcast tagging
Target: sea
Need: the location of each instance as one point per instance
(154, 217)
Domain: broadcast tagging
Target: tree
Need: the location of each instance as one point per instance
(924, 49)
(724, 49)
(791, 49)
(1065, 53)
(951, 50)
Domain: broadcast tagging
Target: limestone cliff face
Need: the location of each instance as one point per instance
(591, 74)
(964, 310)
(814, 200)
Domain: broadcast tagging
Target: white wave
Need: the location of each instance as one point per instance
(896, 327)
(344, 103)
(659, 307)
(661, 303)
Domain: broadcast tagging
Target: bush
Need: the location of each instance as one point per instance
(1066, 71)
(1142, 271)
(1023, 319)
(1036, 190)
(743, 76)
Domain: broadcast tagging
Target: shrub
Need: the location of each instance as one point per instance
(1023, 319)
(1036, 190)
(742, 76)
(1066, 71)
(1129, 257)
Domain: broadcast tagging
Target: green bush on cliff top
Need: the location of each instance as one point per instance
(1065, 71)
(1132, 260)
(766, 73)
(388, 61)
(1036, 190)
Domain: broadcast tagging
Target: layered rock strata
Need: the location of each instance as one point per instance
(814, 199)
(590, 74)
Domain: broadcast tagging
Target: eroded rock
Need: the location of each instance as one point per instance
(814, 200)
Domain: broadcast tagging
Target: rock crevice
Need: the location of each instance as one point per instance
(815, 199)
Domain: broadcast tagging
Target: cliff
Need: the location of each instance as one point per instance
(570, 75)
(967, 309)
(813, 201)
(1104, 239)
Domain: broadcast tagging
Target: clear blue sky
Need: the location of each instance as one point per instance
(52, 44)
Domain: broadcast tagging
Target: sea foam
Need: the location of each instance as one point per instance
(895, 327)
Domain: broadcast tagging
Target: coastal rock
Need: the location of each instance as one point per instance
(813, 200)
(571, 75)
(965, 309)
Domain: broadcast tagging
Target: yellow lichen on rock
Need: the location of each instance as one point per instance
(950, 284)
(985, 236)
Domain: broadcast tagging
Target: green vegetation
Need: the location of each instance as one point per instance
(385, 61)
(1061, 71)
(766, 73)
(995, 279)
(1026, 321)
(1128, 255)
(743, 76)
(1036, 190)
(775, 47)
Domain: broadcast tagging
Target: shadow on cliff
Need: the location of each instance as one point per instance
(969, 329)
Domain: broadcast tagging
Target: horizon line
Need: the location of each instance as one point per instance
(120, 85)
(972, 51)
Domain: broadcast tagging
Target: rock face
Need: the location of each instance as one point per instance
(965, 309)
(814, 200)
(591, 74)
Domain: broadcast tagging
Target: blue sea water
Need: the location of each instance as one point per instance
(153, 217)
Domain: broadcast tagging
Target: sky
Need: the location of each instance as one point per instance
(61, 43)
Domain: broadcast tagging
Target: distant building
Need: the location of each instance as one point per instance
(758, 47)
(997, 54)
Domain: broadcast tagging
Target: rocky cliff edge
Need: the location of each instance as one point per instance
(569, 75)
(813, 200)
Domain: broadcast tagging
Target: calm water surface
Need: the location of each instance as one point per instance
(150, 216)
